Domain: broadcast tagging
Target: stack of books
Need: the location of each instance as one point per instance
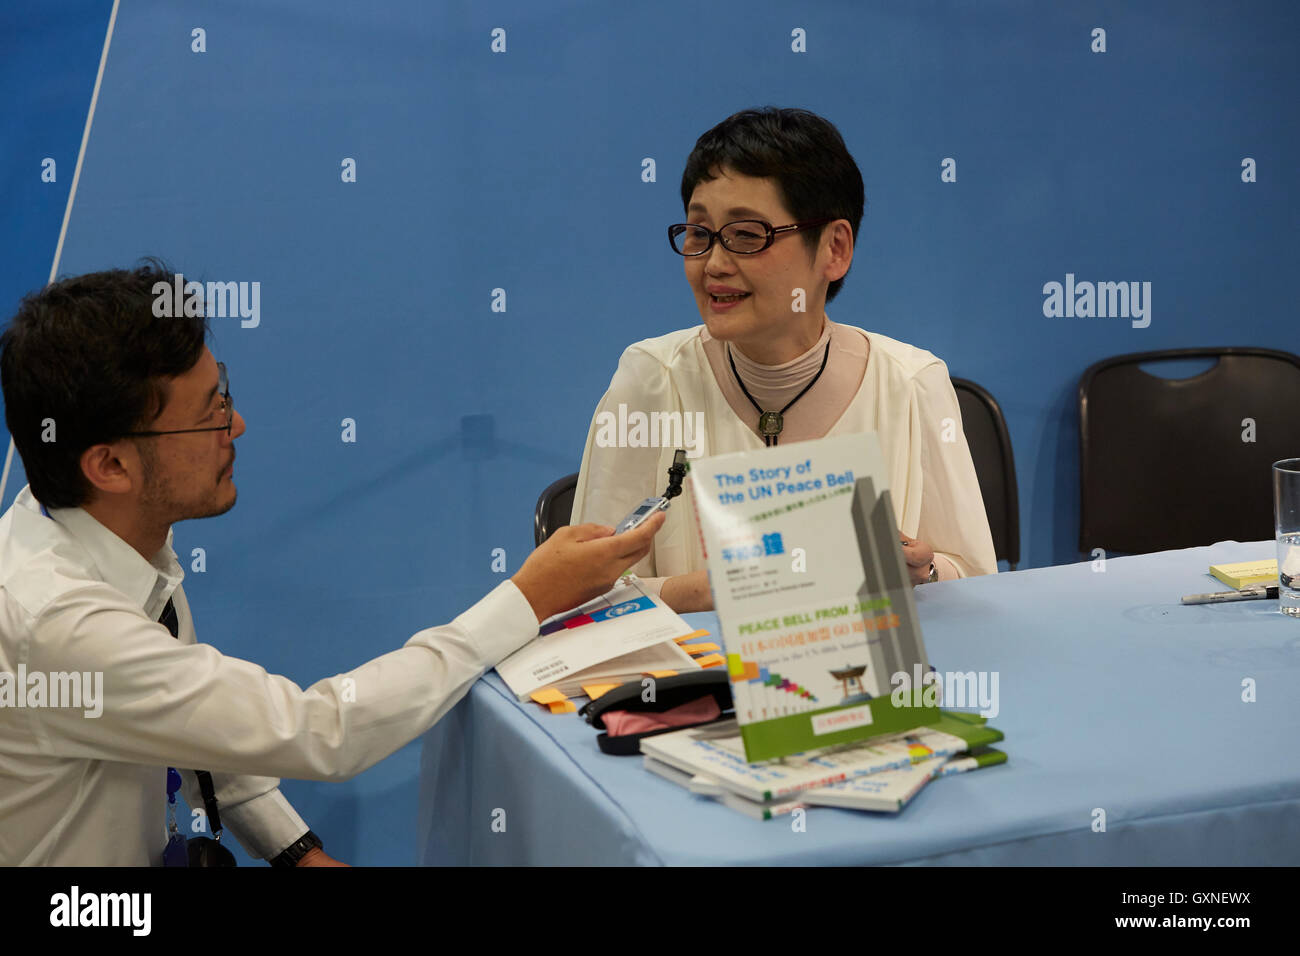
(835, 700)
(882, 775)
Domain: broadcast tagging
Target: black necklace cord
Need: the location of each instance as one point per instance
(770, 424)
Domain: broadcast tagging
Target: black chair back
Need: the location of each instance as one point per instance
(554, 507)
(995, 466)
(1180, 463)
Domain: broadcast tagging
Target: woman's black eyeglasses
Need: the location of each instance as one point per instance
(744, 236)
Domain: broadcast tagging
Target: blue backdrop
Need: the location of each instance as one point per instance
(1115, 156)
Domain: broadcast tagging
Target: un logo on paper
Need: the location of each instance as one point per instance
(622, 609)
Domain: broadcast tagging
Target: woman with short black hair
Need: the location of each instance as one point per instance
(773, 201)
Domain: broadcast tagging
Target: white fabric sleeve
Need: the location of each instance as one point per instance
(654, 585)
(253, 809)
(953, 522)
(613, 480)
(189, 706)
(947, 570)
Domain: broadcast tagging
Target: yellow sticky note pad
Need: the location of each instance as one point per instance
(595, 690)
(1243, 574)
(562, 706)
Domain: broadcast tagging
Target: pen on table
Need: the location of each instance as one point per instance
(1256, 593)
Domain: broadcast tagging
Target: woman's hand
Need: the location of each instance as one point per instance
(688, 593)
(918, 556)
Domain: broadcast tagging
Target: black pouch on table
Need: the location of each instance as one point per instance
(669, 692)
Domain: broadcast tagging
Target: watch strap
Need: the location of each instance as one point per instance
(294, 853)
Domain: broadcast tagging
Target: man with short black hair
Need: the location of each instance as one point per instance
(125, 425)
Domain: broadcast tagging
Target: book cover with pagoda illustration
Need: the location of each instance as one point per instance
(812, 593)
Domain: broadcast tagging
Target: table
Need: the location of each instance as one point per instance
(1113, 697)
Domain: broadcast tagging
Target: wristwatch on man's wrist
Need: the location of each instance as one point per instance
(293, 855)
(934, 574)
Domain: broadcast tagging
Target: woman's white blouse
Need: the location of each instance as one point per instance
(905, 397)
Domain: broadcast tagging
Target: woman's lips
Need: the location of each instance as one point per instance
(727, 303)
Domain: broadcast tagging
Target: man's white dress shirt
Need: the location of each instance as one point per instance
(78, 790)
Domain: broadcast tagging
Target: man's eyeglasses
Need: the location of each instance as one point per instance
(225, 410)
(744, 236)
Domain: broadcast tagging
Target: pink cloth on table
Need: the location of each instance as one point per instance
(620, 723)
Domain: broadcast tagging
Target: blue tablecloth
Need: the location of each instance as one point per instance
(1113, 697)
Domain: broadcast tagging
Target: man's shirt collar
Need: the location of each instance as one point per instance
(147, 583)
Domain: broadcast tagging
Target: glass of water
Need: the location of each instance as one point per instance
(1286, 509)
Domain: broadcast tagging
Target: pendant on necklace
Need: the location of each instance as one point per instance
(770, 424)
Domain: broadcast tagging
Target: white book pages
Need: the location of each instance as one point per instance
(571, 647)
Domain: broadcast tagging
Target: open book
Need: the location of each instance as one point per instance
(617, 637)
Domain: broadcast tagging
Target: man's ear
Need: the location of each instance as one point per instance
(111, 468)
